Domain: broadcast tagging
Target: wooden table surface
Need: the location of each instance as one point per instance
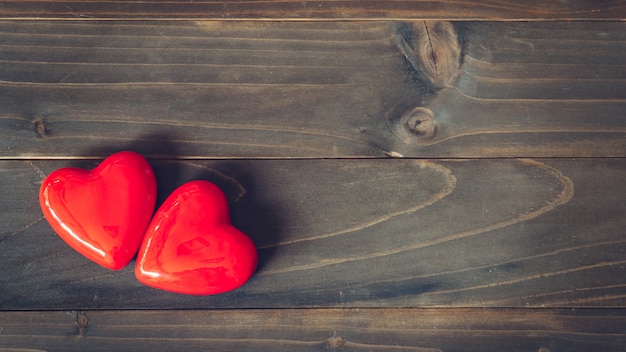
(417, 175)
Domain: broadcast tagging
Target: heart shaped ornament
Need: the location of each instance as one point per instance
(191, 247)
(102, 213)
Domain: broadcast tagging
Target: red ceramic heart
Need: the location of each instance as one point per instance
(102, 213)
(191, 247)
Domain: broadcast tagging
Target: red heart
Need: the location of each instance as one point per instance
(191, 247)
(102, 213)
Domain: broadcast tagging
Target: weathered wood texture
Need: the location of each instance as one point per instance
(417, 330)
(219, 89)
(360, 233)
(334, 80)
(321, 9)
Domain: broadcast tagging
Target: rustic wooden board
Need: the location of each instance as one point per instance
(321, 9)
(418, 330)
(360, 233)
(213, 88)
(222, 89)
(434, 254)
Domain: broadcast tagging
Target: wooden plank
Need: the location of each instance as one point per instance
(525, 89)
(322, 9)
(419, 330)
(360, 233)
(213, 88)
(312, 89)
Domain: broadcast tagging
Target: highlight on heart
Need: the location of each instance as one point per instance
(187, 246)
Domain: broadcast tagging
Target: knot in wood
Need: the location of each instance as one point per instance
(420, 122)
(438, 52)
(82, 321)
(40, 127)
(335, 342)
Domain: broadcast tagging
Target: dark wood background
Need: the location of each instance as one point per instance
(321, 9)
(417, 176)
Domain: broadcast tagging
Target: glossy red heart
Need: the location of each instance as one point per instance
(191, 247)
(102, 213)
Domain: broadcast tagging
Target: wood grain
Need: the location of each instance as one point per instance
(218, 89)
(462, 233)
(526, 89)
(322, 9)
(417, 175)
(212, 88)
(418, 330)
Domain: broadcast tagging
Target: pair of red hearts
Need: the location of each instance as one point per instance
(188, 246)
